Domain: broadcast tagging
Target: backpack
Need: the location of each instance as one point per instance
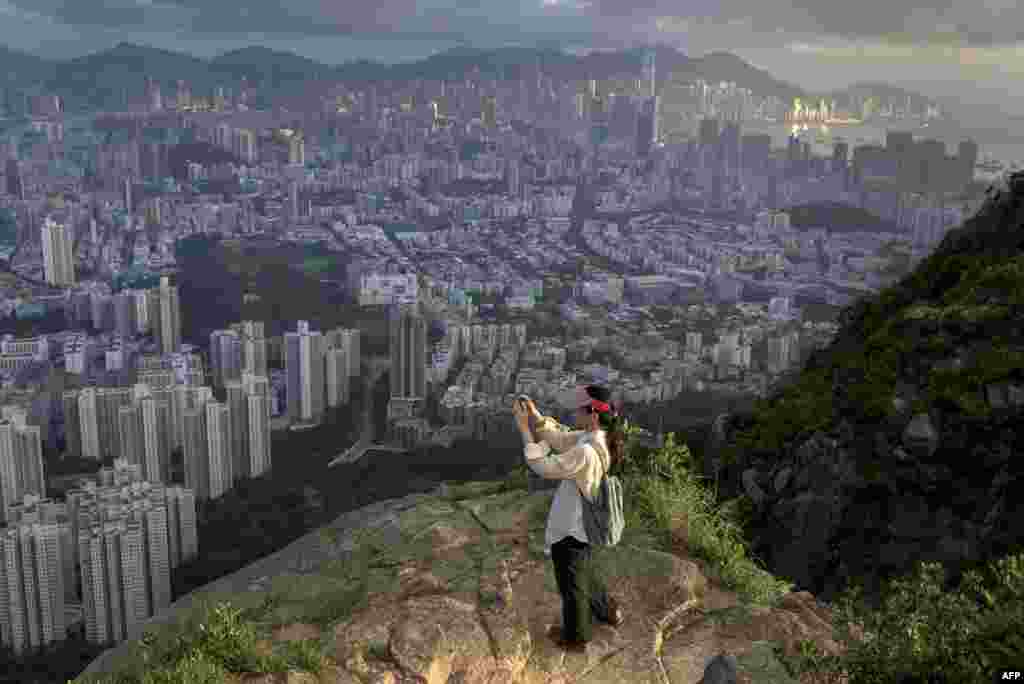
(603, 520)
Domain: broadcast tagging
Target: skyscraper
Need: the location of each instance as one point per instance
(165, 316)
(72, 423)
(408, 342)
(336, 373)
(156, 439)
(126, 196)
(196, 453)
(32, 592)
(297, 150)
(259, 434)
(125, 319)
(512, 177)
(226, 350)
(21, 463)
(967, 158)
(304, 369)
(709, 132)
(238, 415)
(58, 253)
(645, 127)
(218, 440)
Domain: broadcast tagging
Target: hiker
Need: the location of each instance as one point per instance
(581, 459)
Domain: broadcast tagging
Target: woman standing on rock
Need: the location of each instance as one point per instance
(580, 459)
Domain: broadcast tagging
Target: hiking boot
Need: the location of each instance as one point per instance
(571, 645)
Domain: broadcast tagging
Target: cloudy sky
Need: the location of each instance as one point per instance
(972, 49)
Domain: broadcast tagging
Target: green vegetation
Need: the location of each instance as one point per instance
(923, 632)
(207, 648)
(951, 303)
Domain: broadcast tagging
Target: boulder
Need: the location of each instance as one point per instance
(751, 487)
(996, 396)
(920, 436)
(782, 479)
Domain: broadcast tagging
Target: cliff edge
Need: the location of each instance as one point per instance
(454, 586)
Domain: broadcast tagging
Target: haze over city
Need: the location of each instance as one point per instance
(271, 271)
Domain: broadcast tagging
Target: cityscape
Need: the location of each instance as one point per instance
(507, 228)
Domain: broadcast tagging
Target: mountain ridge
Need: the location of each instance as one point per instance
(82, 77)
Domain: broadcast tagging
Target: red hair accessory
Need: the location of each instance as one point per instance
(599, 406)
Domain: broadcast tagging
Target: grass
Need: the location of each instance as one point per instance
(920, 629)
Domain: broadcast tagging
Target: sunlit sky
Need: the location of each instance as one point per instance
(970, 49)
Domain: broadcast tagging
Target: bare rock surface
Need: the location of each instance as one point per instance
(460, 591)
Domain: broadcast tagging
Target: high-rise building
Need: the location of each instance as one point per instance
(133, 445)
(489, 111)
(336, 373)
(125, 315)
(512, 177)
(184, 540)
(88, 410)
(32, 592)
(21, 462)
(408, 343)
(708, 135)
(195, 452)
(254, 347)
(125, 536)
(218, 440)
(156, 433)
(259, 434)
(967, 158)
(165, 316)
(226, 350)
(304, 370)
(297, 150)
(645, 128)
(58, 253)
(72, 423)
(127, 196)
(931, 160)
(238, 416)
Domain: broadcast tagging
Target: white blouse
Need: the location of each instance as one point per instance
(580, 459)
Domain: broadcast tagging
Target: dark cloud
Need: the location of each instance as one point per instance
(978, 22)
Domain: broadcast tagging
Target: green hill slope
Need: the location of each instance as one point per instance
(899, 442)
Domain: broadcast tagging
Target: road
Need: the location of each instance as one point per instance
(376, 366)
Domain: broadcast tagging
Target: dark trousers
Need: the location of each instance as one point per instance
(584, 595)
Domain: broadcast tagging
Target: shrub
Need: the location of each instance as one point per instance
(923, 633)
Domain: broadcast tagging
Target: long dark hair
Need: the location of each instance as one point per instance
(613, 424)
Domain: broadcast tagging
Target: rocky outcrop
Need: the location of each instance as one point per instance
(461, 591)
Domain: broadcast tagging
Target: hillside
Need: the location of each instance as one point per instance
(896, 443)
(454, 586)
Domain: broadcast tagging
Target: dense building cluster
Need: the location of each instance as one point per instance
(101, 561)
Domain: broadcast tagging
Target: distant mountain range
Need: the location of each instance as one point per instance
(105, 78)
